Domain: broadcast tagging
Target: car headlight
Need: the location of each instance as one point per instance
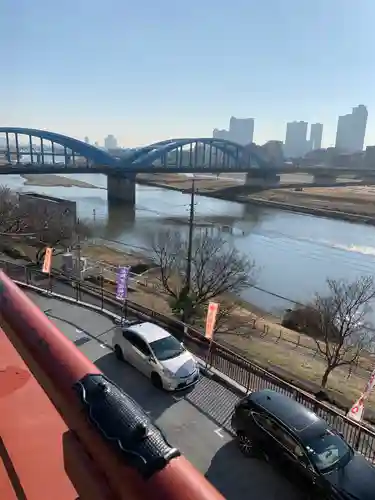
(168, 373)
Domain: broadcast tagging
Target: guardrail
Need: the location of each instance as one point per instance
(245, 373)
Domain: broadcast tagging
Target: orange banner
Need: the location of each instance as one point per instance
(212, 310)
(47, 261)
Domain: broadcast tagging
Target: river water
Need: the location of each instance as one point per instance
(294, 253)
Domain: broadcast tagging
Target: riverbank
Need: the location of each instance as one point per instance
(351, 203)
(53, 180)
(256, 335)
(246, 330)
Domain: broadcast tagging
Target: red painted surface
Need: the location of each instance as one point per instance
(33, 453)
(57, 364)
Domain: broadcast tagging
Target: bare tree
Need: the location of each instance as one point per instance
(11, 222)
(54, 233)
(339, 319)
(216, 269)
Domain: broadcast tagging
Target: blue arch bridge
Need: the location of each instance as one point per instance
(25, 150)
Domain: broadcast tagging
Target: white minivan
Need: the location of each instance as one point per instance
(153, 351)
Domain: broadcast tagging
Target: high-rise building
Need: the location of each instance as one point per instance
(316, 135)
(351, 130)
(110, 142)
(87, 140)
(241, 130)
(296, 144)
(220, 134)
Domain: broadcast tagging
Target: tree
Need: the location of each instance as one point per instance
(343, 334)
(216, 269)
(11, 223)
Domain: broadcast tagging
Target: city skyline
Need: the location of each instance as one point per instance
(175, 73)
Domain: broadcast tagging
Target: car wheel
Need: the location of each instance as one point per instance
(245, 445)
(119, 353)
(156, 381)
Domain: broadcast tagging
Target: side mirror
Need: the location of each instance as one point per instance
(152, 359)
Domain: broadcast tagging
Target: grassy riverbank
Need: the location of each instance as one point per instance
(258, 336)
(351, 203)
(249, 331)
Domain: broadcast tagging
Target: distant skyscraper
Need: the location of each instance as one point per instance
(295, 140)
(351, 130)
(241, 130)
(316, 135)
(110, 142)
(220, 134)
(87, 140)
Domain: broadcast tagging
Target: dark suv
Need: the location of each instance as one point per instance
(280, 430)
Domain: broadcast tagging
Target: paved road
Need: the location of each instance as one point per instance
(196, 422)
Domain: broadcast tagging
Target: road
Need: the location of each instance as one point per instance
(197, 422)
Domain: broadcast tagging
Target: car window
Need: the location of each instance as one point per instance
(278, 432)
(327, 450)
(166, 348)
(137, 342)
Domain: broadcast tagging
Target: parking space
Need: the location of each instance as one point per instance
(196, 421)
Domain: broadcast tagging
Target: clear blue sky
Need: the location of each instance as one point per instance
(145, 70)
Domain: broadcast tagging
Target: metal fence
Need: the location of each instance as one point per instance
(245, 373)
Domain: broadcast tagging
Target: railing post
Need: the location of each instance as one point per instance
(248, 381)
(102, 291)
(358, 439)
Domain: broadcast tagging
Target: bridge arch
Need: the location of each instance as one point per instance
(153, 152)
(88, 151)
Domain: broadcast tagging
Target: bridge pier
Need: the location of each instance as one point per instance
(325, 179)
(121, 189)
(262, 181)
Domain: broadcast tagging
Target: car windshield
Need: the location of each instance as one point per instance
(167, 348)
(327, 450)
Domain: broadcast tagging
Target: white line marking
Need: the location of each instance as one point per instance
(218, 432)
(103, 346)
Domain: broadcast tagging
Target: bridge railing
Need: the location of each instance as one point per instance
(244, 372)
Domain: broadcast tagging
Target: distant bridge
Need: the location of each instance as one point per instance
(52, 153)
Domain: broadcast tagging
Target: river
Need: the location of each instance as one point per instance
(294, 253)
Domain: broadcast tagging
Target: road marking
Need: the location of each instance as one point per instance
(103, 346)
(218, 432)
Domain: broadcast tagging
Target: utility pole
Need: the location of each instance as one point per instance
(190, 240)
(78, 247)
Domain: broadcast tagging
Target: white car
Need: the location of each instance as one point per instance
(157, 354)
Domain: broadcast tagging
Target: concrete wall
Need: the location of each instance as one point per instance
(49, 208)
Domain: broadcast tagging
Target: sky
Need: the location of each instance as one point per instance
(148, 70)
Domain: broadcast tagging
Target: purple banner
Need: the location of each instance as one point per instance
(122, 283)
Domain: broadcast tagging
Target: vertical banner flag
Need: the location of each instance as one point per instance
(356, 411)
(122, 283)
(358, 408)
(47, 261)
(212, 310)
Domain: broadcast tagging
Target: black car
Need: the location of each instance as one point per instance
(280, 430)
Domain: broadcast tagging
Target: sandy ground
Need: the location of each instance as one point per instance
(350, 199)
(53, 180)
(184, 183)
